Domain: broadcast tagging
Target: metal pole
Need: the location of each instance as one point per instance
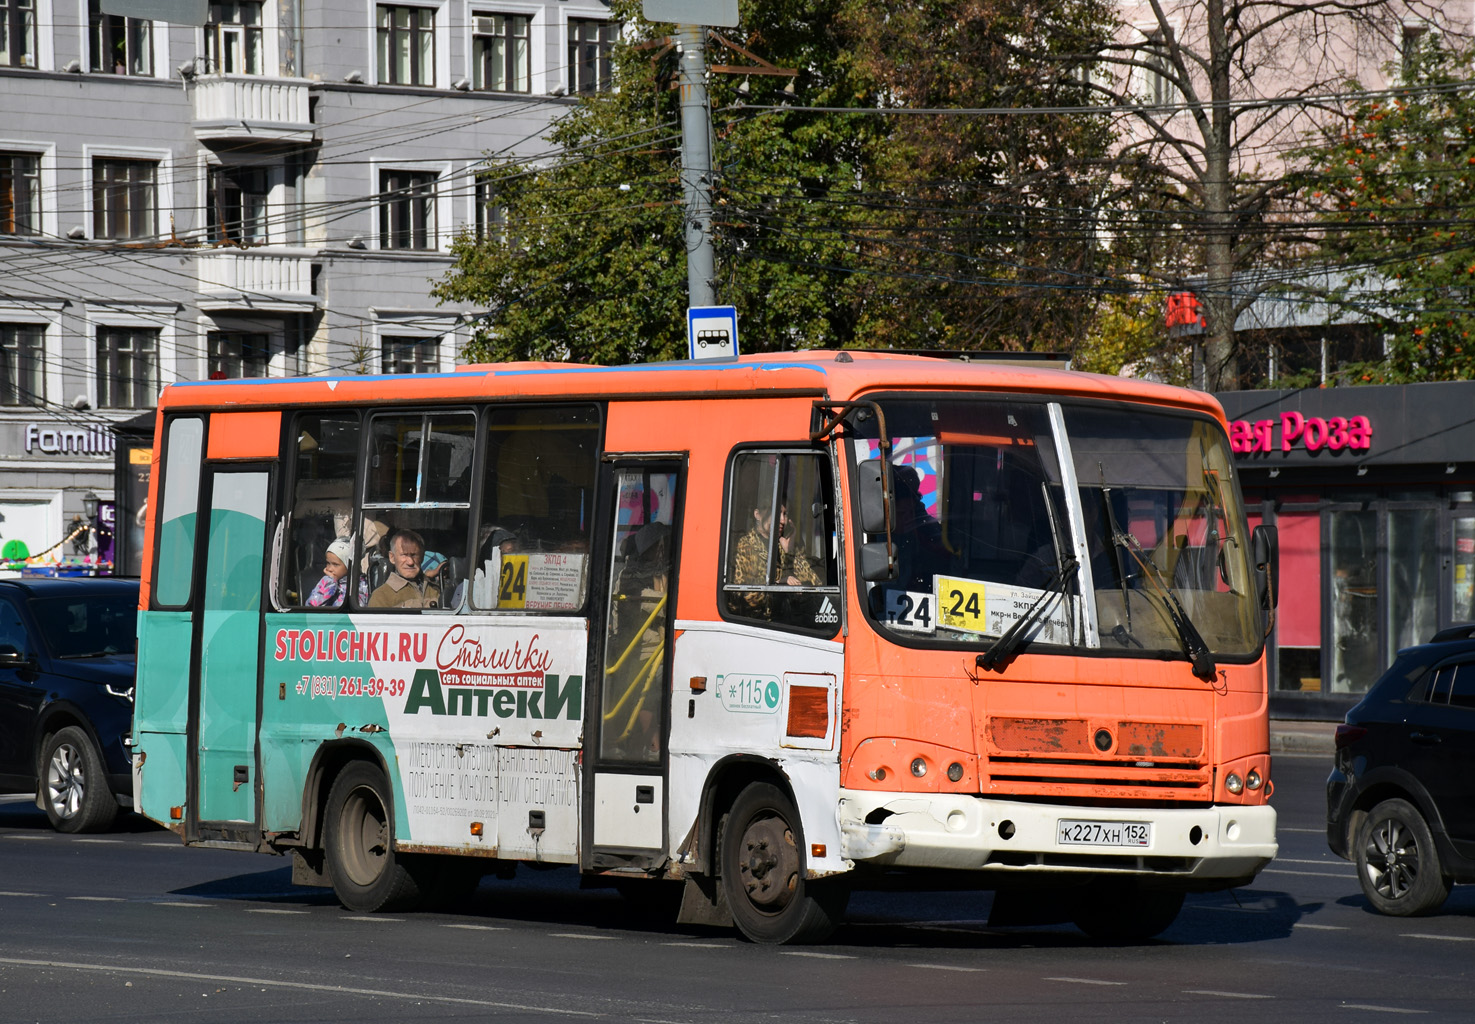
(696, 166)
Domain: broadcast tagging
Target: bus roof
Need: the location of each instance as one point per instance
(836, 376)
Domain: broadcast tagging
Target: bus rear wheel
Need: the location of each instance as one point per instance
(763, 872)
(368, 875)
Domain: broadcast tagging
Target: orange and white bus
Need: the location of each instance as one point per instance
(775, 628)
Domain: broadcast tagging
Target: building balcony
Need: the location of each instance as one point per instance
(251, 108)
(270, 279)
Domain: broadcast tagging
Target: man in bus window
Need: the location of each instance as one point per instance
(791, 566)
(407, 586)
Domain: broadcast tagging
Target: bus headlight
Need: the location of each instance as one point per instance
(1234, 784)
(919, 767)
(1253, 780)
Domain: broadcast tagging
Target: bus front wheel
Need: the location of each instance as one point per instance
(763, 872)
(359, 844)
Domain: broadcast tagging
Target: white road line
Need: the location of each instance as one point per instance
(1324, 861)
(1438, 938)
(817, 956)
(27, 837)
(20, 894)
(164, 903)
(273, 910)
(581, 935)
(1313, 831)
(115, 842)
(697, 945)
(299, 986)
(947, 967)
(1313, 874)
(375, 919)
(98, 899)
(1321, 927)
(1224, 995)
(1086, 981)
(1380, 1009)
(478, 927)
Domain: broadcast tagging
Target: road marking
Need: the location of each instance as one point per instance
(1312, 874)
(299, 986)
(1223, 995)
(1086, 981)
(1334, 861)
(98, 899)
(581, 935)
(273, 910)
(375, 919)
(1380, 1009)
(115, 842)
(697, 945)
(1313, 831)
(947, 967)
(1320, 927)
(164, 903)
(818, 956)
(27, 837)
(20, 894)
(477, 927)
(1438, 938)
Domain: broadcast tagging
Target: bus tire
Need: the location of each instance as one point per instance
(763, 872)
(368, 875)
(1126, 912)
(74, 787)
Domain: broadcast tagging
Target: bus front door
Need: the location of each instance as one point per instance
(227, 655)
(629, 779)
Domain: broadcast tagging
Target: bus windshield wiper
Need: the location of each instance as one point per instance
(1014, 636)
(1192, 642)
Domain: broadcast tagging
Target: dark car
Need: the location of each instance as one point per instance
(1401, 797)
(68, 655)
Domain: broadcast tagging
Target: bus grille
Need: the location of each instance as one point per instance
(1060, 758)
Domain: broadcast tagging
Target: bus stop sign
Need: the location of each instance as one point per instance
(711, 332)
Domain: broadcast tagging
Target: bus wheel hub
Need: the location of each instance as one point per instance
(770, 863)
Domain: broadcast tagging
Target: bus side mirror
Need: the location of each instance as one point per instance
(875, 497)
(877, 563)
(1266, 546)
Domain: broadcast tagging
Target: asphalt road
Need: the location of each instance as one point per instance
(130, 926)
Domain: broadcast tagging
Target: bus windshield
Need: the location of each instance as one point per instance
(1100, 526)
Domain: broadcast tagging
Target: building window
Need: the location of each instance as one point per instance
(20, 194)
(18, 33)
(491, 215)
(406, 209)
(1159, 81)
(1414, 41)
(502, 60)
(235, 205)
(410, 355)
(127, 367)
(237, 354)
(406, 45)
(123, 198)
(22, 364)
(120, 46)
(589, 46)
(233, 38)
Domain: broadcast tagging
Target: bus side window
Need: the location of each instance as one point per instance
(417, 495)
(532, 544)
(779, 565)
(321, 506)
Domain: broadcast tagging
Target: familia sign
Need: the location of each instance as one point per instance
(1292, 431)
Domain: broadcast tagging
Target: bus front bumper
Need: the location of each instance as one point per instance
(1197, 846)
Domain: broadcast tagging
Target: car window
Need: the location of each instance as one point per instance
(88, 627)
(12, 629)
(1436, 690)
(1462, 687)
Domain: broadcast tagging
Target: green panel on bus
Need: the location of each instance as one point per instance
(163, 773)
(163, 673)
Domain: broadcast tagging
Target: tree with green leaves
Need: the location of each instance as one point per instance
(1393, 182)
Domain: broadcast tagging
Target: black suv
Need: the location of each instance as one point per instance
(1401, 797)
(67, 661)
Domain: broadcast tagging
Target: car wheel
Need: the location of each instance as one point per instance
(1397, 864)
(74, 787)
(1125, 912)
(763, 872)
(367, 873)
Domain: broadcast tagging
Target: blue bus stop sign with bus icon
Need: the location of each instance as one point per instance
(711, 332)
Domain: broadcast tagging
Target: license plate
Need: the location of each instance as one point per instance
(1103, 833)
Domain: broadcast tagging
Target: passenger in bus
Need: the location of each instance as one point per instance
(407, 586)
(791, 566)
(374, 566)
(921, 553)
(333, 587)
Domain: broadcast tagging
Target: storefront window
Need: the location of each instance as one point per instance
(1413, 577)
(1462, 597)
(1354, 601)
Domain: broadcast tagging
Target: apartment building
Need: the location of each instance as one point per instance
(272, 193)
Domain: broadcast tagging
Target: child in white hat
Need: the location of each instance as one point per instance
(333, 587)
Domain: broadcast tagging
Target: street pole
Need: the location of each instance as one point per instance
(696, 166)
